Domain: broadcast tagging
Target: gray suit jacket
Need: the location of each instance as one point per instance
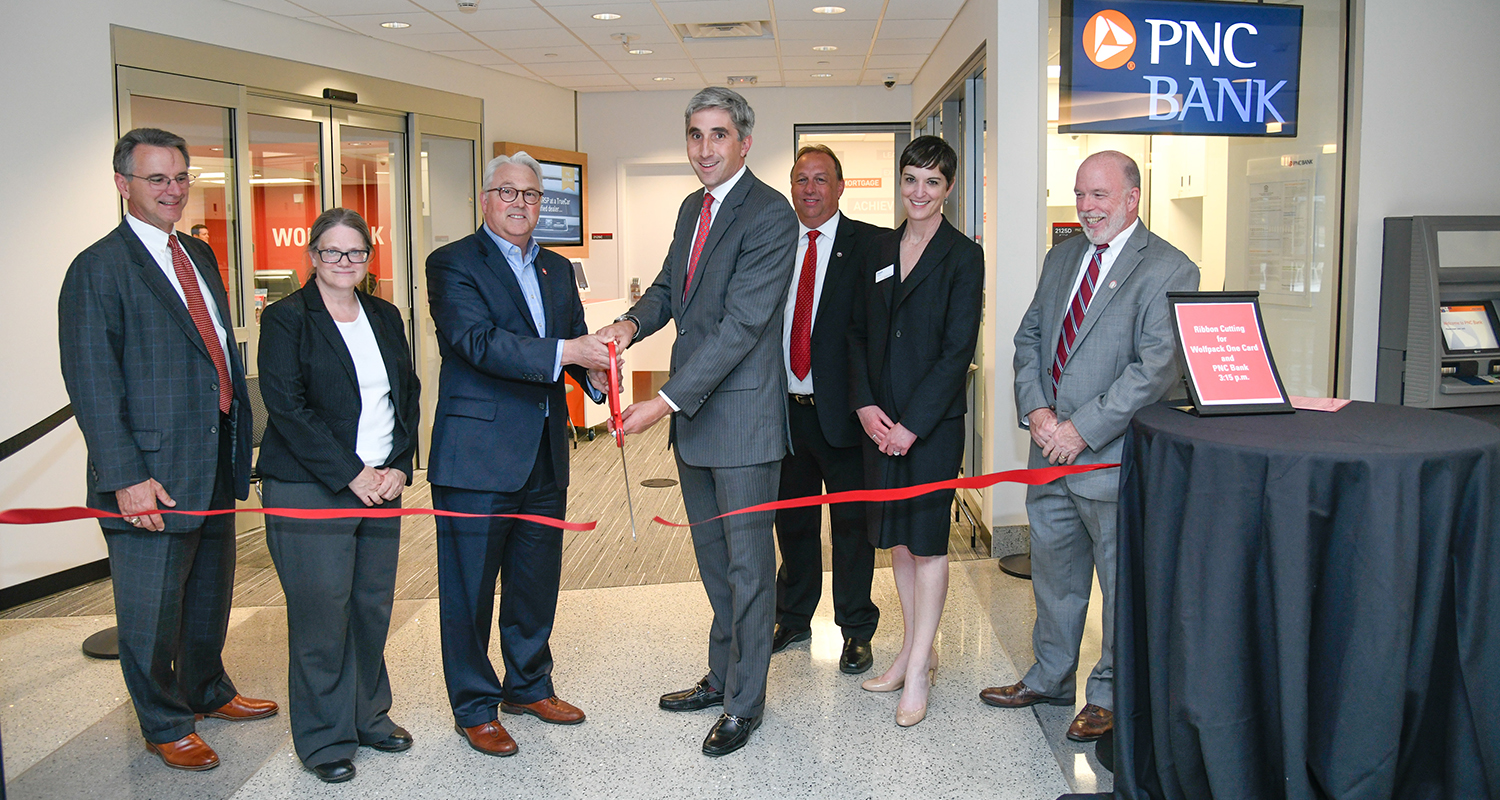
(727, 377)
(143, 386)
(1123, 359)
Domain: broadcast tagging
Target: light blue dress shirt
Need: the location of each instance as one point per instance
(523, 264)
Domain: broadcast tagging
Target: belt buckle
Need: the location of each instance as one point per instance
(803, 399)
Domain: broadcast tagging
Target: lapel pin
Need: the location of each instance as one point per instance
(1113, 284)
(838, 255)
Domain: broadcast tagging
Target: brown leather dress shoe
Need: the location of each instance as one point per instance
(1018, 695)
(1091, 723)
(189, 753)
(552, 709)
(243, 708)
(489, 738)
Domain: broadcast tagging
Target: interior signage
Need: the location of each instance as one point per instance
(1226, 360)
(1173, 67)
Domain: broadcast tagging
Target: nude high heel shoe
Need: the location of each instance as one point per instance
(878, 685)
(906, 719)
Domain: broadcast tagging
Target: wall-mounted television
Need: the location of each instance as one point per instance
(562, 225)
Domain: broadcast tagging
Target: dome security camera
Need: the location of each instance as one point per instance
(468, 6)
(890, 81)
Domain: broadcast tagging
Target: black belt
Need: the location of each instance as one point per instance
(802, 399)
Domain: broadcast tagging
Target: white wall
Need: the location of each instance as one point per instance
(648, 127)
(60, 100)
(1427, 122)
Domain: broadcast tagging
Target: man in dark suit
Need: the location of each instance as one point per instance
(1095, 346)
(147, 351)
(833, 255)
(509, 321)
(723, 283)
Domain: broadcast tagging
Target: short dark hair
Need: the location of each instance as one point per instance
(199, 227)
(156, 137)
(741, 115)
(335, 217)
(838, 169)
(931, 152)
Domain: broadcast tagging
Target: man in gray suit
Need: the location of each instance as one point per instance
(1095, 346)
(148, 357)
(723, 283)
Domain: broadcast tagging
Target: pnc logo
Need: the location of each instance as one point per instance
(1109, 39)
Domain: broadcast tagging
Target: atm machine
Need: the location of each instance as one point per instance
(1440, 315)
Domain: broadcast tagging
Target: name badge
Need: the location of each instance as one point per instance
(885, 273)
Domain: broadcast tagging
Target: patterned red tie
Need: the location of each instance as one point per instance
(705, 219)
(188, 278)
(802, 314)
(1076, 310)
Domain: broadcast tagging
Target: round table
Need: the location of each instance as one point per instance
(1308, 605)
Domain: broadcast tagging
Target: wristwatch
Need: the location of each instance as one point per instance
(632, 318)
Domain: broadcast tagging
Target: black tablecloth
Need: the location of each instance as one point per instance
(1308, 606)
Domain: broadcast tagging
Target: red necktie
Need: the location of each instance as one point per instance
(802, 314)
(1076, 310)
(705, 220)
(188, 278)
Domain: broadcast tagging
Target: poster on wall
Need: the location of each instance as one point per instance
(1185, 68)
(1284, 216)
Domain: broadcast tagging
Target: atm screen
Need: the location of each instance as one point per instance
(1468, 327)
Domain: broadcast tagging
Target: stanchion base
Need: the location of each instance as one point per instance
(104, 644)
(1018, 565)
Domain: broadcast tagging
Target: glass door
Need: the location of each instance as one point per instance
(372, 180)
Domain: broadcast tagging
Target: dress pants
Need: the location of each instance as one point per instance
(1071, 537)
(527, 557)
(339, 577)
(813, 464)
(172, 595)
(737, 563)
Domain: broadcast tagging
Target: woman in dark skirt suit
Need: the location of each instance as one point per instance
(910, 344)
(336, 375)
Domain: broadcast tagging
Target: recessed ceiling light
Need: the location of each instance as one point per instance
(822, 74)
(641, 51)
(395, 25)
(606, 16)
(824, 63)
(825, 48)
(829, 10)
(663, 78)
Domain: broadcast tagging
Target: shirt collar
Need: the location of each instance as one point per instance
(154, 238)
(722, 190)
(1123, 236)
(515, 255)
(826, 231)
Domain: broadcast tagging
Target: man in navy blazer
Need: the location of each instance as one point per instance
(509, 321)
(148, 357)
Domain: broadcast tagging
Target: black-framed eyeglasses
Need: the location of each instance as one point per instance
(508, 194)
(333, 256)
(182, 179)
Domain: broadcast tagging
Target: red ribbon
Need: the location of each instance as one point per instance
(1031, 477)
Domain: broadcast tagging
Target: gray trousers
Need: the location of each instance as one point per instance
(1071, 537)
(339, 577)
(737, 563)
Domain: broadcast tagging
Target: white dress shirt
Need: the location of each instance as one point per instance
(826, 232)
(1106, 260)
(155, 240)
(377, 415)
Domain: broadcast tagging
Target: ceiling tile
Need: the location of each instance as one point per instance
(331, 8)
(591, 81)
(833, 30)
(679, 79)
(275, 7)
(553, 37)
(911, 63)
(923, 9)
(650, 34)
(512, 69)
(499, 19)
(834, 61)
(853, 9)
(737, 66)
(902, 47)
(632, 12)
(325, 22)
(427, 41)
(716, 10)
(483, 58)
(538, 55)
(730, 48)
(664, 66)
(914, 28)
(420, 22)
(570, 68)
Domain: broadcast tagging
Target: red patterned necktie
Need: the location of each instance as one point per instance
(1076, 310)
(188, 278)
(802, 314)
(705, 219)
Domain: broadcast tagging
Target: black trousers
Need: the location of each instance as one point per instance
(813, 465)
(172, 595)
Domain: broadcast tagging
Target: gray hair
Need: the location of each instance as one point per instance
(335, 217)
(740, 112)
(156, 137)
(1129, 170)
(521, 157)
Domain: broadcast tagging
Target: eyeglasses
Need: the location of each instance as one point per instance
(333, 256)
(508, 194)
(182, 179)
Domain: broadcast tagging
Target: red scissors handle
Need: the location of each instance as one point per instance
(614, 397)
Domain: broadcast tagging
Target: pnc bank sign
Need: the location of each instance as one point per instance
(1173, 67)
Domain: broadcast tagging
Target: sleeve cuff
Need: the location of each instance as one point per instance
(557, 362)
(670, 404)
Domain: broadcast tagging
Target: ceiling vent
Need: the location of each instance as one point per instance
(724, 30)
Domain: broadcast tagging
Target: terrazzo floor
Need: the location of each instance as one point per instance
(69, 730)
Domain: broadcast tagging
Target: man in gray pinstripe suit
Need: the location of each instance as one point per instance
(723, 284)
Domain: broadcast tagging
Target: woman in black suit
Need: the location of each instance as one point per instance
(336, 375)
(910, 344)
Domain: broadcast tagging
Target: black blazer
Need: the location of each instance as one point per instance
(311, 391)
(930, 322)
(143, 386)
(850, 264)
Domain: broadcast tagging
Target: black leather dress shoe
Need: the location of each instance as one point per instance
(857, 656)
(701, 696)
(729, 734)
(400, 739)
(785, 636)
(335, 771)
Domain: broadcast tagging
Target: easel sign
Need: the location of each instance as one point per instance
(1227, 364)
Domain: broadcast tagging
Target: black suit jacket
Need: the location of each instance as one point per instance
(311, 390)
(495, 386)
(930, 322)
(852, 260)
(143, 385)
